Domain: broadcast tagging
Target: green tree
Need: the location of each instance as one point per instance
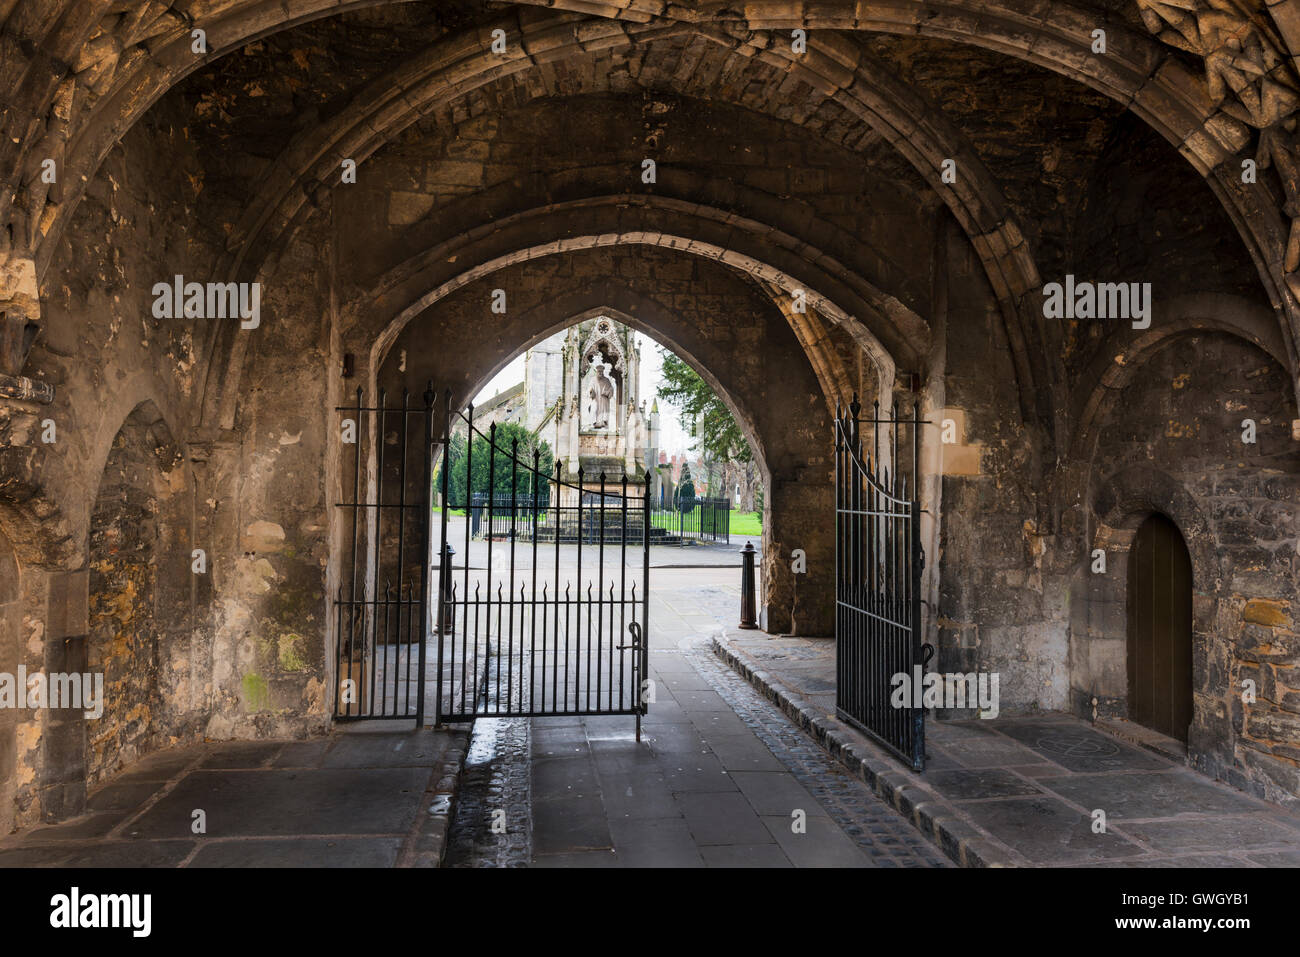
(456, 476)
(714, 427)
(686, 491)
(497, 468)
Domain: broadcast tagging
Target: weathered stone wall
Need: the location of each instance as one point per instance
(105, 355)
(270, 525)
(1173, 443)
(11, 613)
(1014, 539)
(108, 357)
(434, 184)
(1143, 218)
(993, 613)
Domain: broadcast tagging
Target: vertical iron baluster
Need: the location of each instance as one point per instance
(600, 594)
(469, 513)
(514, 518)
(643, 705)
(491, 502)
(587, 683)
(856, 525)
(407, 625)
(401, 552)
(559, 523)
(609, 660)
(338, 648)
(546, 599)
(839, 631)
(918, 639)
(494, 704)
(534, 480)
(426, 550)
(622, 596)
(444, 573)
(887, 550)
(567, 624)
(578, 608)
(383, 685)
(372, 650)
(352, 598)
(478, 608)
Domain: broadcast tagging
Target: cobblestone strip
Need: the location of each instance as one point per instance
(889, 838)
(493, 820)
(963, 843)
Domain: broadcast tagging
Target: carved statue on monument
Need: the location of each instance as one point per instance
(600, 393)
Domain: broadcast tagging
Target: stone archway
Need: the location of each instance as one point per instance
(764, 389)
(1099, 639)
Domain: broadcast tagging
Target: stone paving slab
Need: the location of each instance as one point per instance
(323, 852)
(720, 777)
(1023, 791)
(246, 804)
(366, 796)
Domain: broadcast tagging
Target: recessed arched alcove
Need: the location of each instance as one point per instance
(1159, 610)
(140, 589)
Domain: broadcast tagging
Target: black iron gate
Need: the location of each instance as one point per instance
(880, 657)
(382, 598)
(542, 593)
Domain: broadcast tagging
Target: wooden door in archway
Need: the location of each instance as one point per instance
(1160, 629)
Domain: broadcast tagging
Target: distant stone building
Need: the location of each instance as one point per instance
(506, 406)
(581, 395)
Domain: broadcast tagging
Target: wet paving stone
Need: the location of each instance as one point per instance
(497, 778)
(100, 854)
(714, 782)
(243, 754)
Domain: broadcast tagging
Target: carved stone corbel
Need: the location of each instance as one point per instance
(19, 328)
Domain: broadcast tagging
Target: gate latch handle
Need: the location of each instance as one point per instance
(635, 629)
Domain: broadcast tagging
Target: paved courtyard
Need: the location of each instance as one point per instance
(725, 775)
(1026, 791)
(367, 796)
(721, 777)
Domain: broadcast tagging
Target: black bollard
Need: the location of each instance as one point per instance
(748, 603)
(446, 609)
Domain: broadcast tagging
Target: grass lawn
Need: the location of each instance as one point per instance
(746, 523)
(454, 511)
